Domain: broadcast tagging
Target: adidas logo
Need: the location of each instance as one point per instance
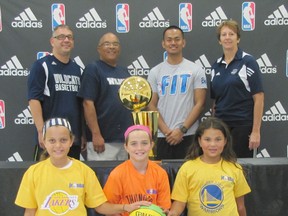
(13, 67)
(215, 18)
(276, 113)
(265, 65)
(207, 115)
(154, 19)
(278, 17)
(91, 20)
(203, 62)
(15, 157)
(25, 117)
(139, 67)
(264, 153)
(26, 19)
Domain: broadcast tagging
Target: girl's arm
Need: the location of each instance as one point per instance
(111, 209)
(177, 208)
(241, 206)
(29, 212)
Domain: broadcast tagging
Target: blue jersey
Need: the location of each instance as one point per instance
(56, 85)
(233, 87)
(101, 84)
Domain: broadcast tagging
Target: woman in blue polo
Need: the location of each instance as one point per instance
(237, 91)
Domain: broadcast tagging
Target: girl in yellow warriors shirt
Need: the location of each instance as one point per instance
(138, 179)
(60, 185)
(211, 182)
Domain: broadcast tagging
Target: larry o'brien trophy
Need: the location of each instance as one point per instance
(135, 94)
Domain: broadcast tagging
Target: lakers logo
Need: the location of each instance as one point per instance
(59, 202)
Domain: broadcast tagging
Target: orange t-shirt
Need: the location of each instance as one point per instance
(126, 185)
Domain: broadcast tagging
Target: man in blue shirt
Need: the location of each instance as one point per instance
(106, 117)
(53, 84)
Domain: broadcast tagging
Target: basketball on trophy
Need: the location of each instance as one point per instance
(135, 93)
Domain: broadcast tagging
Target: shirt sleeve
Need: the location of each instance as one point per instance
(180, 187)
(200, 79)
(254, 76)
(241, 186)
(152, 79)
(36, 82)
(90, 83)
(93, 190)
(112, 188)
(26, 193)
(163, 200)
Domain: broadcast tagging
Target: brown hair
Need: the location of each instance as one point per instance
(195, 149)
(232, 24)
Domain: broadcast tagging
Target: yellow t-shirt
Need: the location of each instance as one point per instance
(60, 191)
(210, 189)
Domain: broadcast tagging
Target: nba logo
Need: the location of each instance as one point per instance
(185, 17)
(248, 16)
(2, 114)
(58, 15)
(122, 18)
(42, 54)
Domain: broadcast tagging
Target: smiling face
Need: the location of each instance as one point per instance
(173, 42)
(228, 38)
(138, 145)
(212, 143)
(109, 49)
(57, 141)
(62, 42)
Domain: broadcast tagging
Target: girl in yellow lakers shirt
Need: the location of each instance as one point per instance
(60, 185)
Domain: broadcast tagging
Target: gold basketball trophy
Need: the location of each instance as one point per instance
(135, 94)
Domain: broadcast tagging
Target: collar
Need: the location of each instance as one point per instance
(238, 56)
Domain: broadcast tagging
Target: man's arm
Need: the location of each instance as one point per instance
(92, 122)
(36, 111)
(213, 108)
(199, 101)
(152, 106)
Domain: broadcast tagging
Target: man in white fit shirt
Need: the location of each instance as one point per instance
(179, 92)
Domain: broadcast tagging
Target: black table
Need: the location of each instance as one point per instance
(267, 177)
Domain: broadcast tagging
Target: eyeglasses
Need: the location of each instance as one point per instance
(108, 44)
(63, 37)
